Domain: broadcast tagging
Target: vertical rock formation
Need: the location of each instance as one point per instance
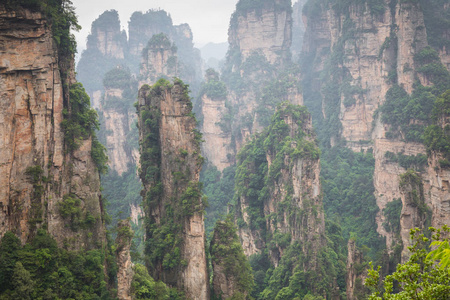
(41, 177)
(355, 272)
(119, 117)
(106, 36)
(264, 27)
(232, 275)
(279, 206)
(125, 266)
(257, 64)
(159, 60)
(105, 49)
(170, 168)
(370, 55)
(291, 175)
(216, 126)
(415, 211)
(143, 26)
(298, 29)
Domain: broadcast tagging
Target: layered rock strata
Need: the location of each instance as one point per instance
(37, 172)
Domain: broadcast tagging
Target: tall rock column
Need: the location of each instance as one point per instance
(170, 170)
(215, 125)
(119, 117)
(279, 210)
(125, 266)
(258, 72)
(106, 48)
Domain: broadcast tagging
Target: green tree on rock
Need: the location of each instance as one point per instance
(421, 277)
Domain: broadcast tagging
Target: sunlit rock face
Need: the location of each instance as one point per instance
(36, 171)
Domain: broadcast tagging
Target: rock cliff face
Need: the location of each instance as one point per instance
(363, 51)
(355, 279)
(106, 36)
(298, 29)
(37, 174)
(263, 28)
(279, 209)
(215, 124)
(143, 26)
(106, 48)
(125, 266)
(232, 276)
(292, 180)
(257, 64)
(368, 53)
(118, 119)
(159, 60)
(170, 168)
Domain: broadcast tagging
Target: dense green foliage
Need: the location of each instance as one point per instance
(437, 137)
(122, 191)
(152, 18)
(213, 87)
(219, 189)
(299, 272)
(245, 6)
(392, 213)
(347, 182)
(80, 122)
(417, 162)
(143, 287)
(418, 278)
(436, 21)
(253, 176)
(118, 78)
(412, 187)
(159, 41)
(401, 110)
(409, 115)
(41, 270)
(226, 251)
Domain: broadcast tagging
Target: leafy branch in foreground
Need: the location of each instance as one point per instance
(426, 275)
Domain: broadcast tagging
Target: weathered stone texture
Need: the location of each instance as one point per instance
(32, 102)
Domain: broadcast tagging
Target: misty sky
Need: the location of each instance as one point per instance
(208, 19)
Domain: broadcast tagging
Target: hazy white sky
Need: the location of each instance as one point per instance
(208, 19)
